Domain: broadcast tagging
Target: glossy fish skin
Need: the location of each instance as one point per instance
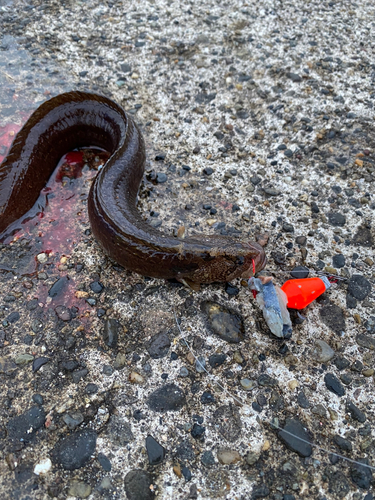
(77, 119)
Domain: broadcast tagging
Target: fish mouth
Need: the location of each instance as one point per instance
(259, 260)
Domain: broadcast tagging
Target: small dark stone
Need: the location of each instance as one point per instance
(302, 400)
(207, 398)
(336, 219)
(110, 332)
(300, 272)
(155, 451)
(38, 363)
(58, 287)
(351, 302)
(255, 179)
(13, 317)
(104, 462)
(333, 316)
(242, 114)
(167, 398)
(301, 240)
(78, 375)
(160, 157)
(231, 290)
(75, 450)
(208, 171)
(161, 178)
(63, 313)
(265, 380)
(342, 443)
(314, 207)
(225, 323)
(338, 260)
(341, 362)
(137, 485)
(159, 345)
(38, 399)
(294, 77)
(91, 388)
(256, 406)
(288, 228)
(208, 458)
(346, 378)
(23, 427)
(260, 492)
(216, 360)
(359, 287)
(197, 431)
(333, 384)
(295, 428)
(365, 341)
(186, 473)
(96, 286)
(355, 412)
(361, 475)
(363, 237)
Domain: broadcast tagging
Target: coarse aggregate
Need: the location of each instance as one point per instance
(258, 118)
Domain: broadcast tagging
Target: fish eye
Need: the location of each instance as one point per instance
(240, 260)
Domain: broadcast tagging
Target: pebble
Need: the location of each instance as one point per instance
(295, 428)
(302, 400)
(300, 272)
(184, 372)
(322, 352)
(216, 360)
(252, 457)
(224, 322)
(247, 384)
(104, 462)
(227, 456)
(207, 458)
(138, 485)
(198, 431)
(155, 451)
(24, 427)
(58, 287)
(200, 364)
(228, 421)
(361, 476)
(75, 451)
(167, 398)
(73, 419)
(24, 359)
(333, 384)
(63, 313)
(39, 362)
(333, 316)
(342, 443)
(359, 287)
(42, 258)
(79, 489)
(43, 467)
(96, 287)
(161, 178)
(355, 412)
(336, 219)
(111, 332)
(207, 398)
(365, 341)
(158, 346)
(338, 261)
(186, 473)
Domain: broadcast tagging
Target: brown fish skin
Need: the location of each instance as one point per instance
(77, 119)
